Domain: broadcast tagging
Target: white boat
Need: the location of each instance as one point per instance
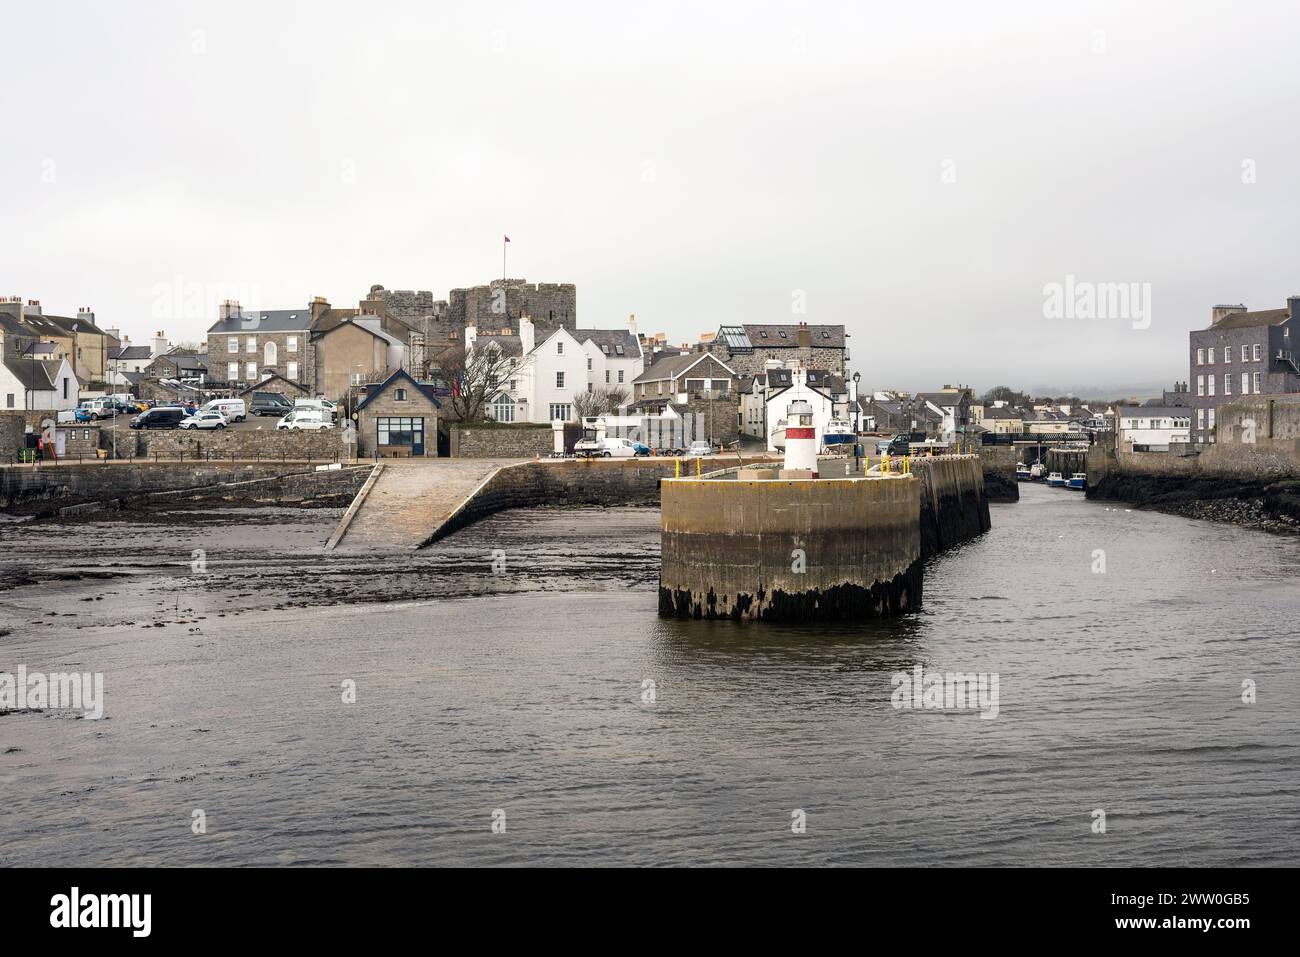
(777, 436)
(1037, 471)
(1022, 472)
(1078, 482)
(1056, 480)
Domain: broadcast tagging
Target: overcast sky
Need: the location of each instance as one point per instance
(919, 172)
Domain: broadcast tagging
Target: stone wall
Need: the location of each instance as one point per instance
(953, 507)
(65, 485)
(325, 445)
(999, 464)
(525, 441)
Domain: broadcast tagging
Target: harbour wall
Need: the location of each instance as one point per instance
(48, 490)
(798, 549)
(829, 548)
(999, 465)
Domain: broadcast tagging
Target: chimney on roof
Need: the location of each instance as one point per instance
(85, 314)
(527, 335)
(319, 306)
(1221, 312)
(1293, 306)
(631, 324)
(228, 308)
(804, 336)
(33, 308)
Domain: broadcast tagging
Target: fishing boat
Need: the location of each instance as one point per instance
(1037, 471)
(1056, 480)
(1022, 472)
(838, 432)
(1078, 481)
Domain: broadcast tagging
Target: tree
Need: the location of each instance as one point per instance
(600, 401)
(475, 379)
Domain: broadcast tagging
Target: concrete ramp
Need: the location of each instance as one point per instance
(407, 499)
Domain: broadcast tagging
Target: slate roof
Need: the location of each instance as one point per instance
(670, 367)
(1241, 320)
(271, 320)
(608, 341)
(131, 353)
(424, 389)
(37, 376)
(786, 335)
(1001, 412)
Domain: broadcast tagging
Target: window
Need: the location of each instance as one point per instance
(1210, 418)
(1227, 354)
(1200, 357)
(1255, 349)
(559, 348)
(291, 344)
(618, 350)
(272, 354)
(232, 371)
(356, 378)
(503, 409)
(1227, 383)
(560, 410)
(399, 395)
(1209, 357)
(232, 345)
(590, 388)
(65, 387)
(606, 377)
(251, 371)
(399, 431)
(1210, 383)
(588, 363)
(559, 380)
(1200, 385)
(1200, 418)
(513, 384)
(1257, 383)
(9, 400)
(292, 371)
(1245, 353)
(620, 375)
(1245, 383)
(251, 345)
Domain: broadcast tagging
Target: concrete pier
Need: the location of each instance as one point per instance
(790, 549)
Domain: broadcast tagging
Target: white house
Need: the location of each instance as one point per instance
(33, 385)
(797, 385)
(544, 377)
(1144, 428)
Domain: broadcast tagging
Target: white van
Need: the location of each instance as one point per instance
(306, 419)
(317, 405)
(233, 409)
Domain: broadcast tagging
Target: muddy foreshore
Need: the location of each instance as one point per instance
(1271, 506)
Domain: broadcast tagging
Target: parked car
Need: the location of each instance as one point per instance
(234, 410)
(101, 408)
(269, 403)
(211, 419)
(305, 419)
(699, 449)
(159, 417)
(320, 405)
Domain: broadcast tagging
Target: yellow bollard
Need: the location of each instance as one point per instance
(699, 467)
(678, 463)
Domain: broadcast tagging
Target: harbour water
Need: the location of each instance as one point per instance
(227, 640)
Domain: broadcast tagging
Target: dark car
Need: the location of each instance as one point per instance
(270, 403)
(159, 417)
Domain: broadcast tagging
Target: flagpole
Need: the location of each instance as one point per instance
(504, 243)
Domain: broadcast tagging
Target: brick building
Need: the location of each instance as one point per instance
(1241, 353)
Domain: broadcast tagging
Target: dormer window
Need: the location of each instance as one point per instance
(781, 333)
(763, 334)
(619, 350)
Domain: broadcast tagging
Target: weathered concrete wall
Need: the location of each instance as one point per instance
(583, 482)
(66, 485)
(824, 548)
(999, 464)
(523, 441)
(953, 508)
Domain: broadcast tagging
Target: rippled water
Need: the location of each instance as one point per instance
(1118, 691)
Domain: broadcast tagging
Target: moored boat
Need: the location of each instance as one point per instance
(1022, 472)
(1079, 481)
(1056, 480)
(838, 432)
(1037, 471)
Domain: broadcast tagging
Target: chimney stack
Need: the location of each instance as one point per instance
(804, 336)
(631, 324)
(1221, 312)
(319, 306)
(1293, 305)
(228, 308)
(86, 314)
(527, 335)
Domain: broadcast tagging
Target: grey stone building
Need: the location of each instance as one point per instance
(1241, 353)
(747, 348)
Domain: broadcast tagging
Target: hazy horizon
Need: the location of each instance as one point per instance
(922, 176)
